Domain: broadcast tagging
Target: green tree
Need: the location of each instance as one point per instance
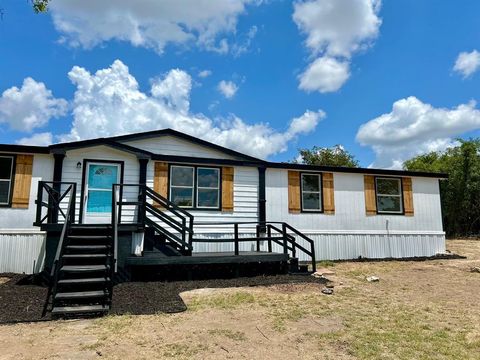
(460, 194)
(40, 6)
(333, 156)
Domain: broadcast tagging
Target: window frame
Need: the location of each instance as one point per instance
(402, 204)
(11, 181)
(320, 192)
(195, 186)
(170, 186)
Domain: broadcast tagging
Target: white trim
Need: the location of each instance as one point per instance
(319, 192)
(22, 231)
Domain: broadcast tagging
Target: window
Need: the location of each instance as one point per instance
(208, 187)
(311, 192)
(389, 195)
(181, 185)
(195, 187)
(6, 176)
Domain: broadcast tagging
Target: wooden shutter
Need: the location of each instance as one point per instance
(370, 198)
(23, 181)
(407, 196)
(227, 189)
(160, 180)
(328, 194)
(293, 192)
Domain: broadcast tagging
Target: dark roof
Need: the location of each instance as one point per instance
(24, 149)
(243, 160)
(355, 170)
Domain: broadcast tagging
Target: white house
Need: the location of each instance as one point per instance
(348, 213)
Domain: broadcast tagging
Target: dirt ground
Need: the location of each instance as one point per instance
(417, 310)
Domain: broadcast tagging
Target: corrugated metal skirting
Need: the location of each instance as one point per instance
(22, 252)
(347, 246)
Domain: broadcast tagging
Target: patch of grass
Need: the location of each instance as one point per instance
(230, 334)
(224, 301)
(182, 351)
(115, 324)
(325, 263)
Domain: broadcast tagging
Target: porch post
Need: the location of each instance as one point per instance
(142, 180)
(57, 177)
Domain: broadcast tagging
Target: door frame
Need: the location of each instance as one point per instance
(84, 180)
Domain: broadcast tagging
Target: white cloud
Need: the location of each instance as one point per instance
(147, 23)
(109, 103)
(227, 88)
(413, 127)
(29, 107)
(242, 48)
(204, 73)
(324, 75)
(335, 30)
(40, 139)
(467, 63)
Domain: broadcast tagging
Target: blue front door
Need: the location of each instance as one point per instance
(98, 190)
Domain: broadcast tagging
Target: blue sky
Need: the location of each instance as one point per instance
(372, 57)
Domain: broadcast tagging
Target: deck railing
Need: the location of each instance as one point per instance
(279, 233)
(53, 280)
(50, 198)
(155, 211)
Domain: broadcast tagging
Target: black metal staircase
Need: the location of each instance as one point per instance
(84, 282)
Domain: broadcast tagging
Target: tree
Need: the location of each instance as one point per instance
(333, 156)
(40, 6)
(460, 194)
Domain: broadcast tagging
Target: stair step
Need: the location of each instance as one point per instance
(79, 309)
(83, 281)
(80, 294)
(87, 247)
(84, 256)
(84, 268)
(89, 237)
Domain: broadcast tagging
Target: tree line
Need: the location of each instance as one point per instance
(460, 193)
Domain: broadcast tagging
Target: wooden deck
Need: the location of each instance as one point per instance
(244, 257)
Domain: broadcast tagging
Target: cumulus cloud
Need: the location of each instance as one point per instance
(204, 73)
(29, 107)
(40, 139)
(467, 63)
(414, 127)
(227, 88)
(335, 30)
(150, 24)
(109, 102)
(325, 74)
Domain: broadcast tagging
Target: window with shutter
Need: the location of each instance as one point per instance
(23, 181)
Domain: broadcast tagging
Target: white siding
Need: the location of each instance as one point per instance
(72, 174)
(21, 251)
(170, 145)
(11, 218)
(350, 206)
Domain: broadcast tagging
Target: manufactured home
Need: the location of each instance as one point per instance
(164, 197)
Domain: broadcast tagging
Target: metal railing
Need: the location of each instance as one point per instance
(52, 202)
(283, 234)
(52, 288)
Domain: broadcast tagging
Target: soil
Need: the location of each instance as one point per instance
(22, 298)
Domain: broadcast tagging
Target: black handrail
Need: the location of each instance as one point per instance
(176, 218)
(53, 202)
(52, 288)
(286, 240)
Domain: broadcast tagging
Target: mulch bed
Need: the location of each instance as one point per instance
(22, 298)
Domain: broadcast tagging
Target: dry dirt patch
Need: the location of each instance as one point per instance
(418, 310)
